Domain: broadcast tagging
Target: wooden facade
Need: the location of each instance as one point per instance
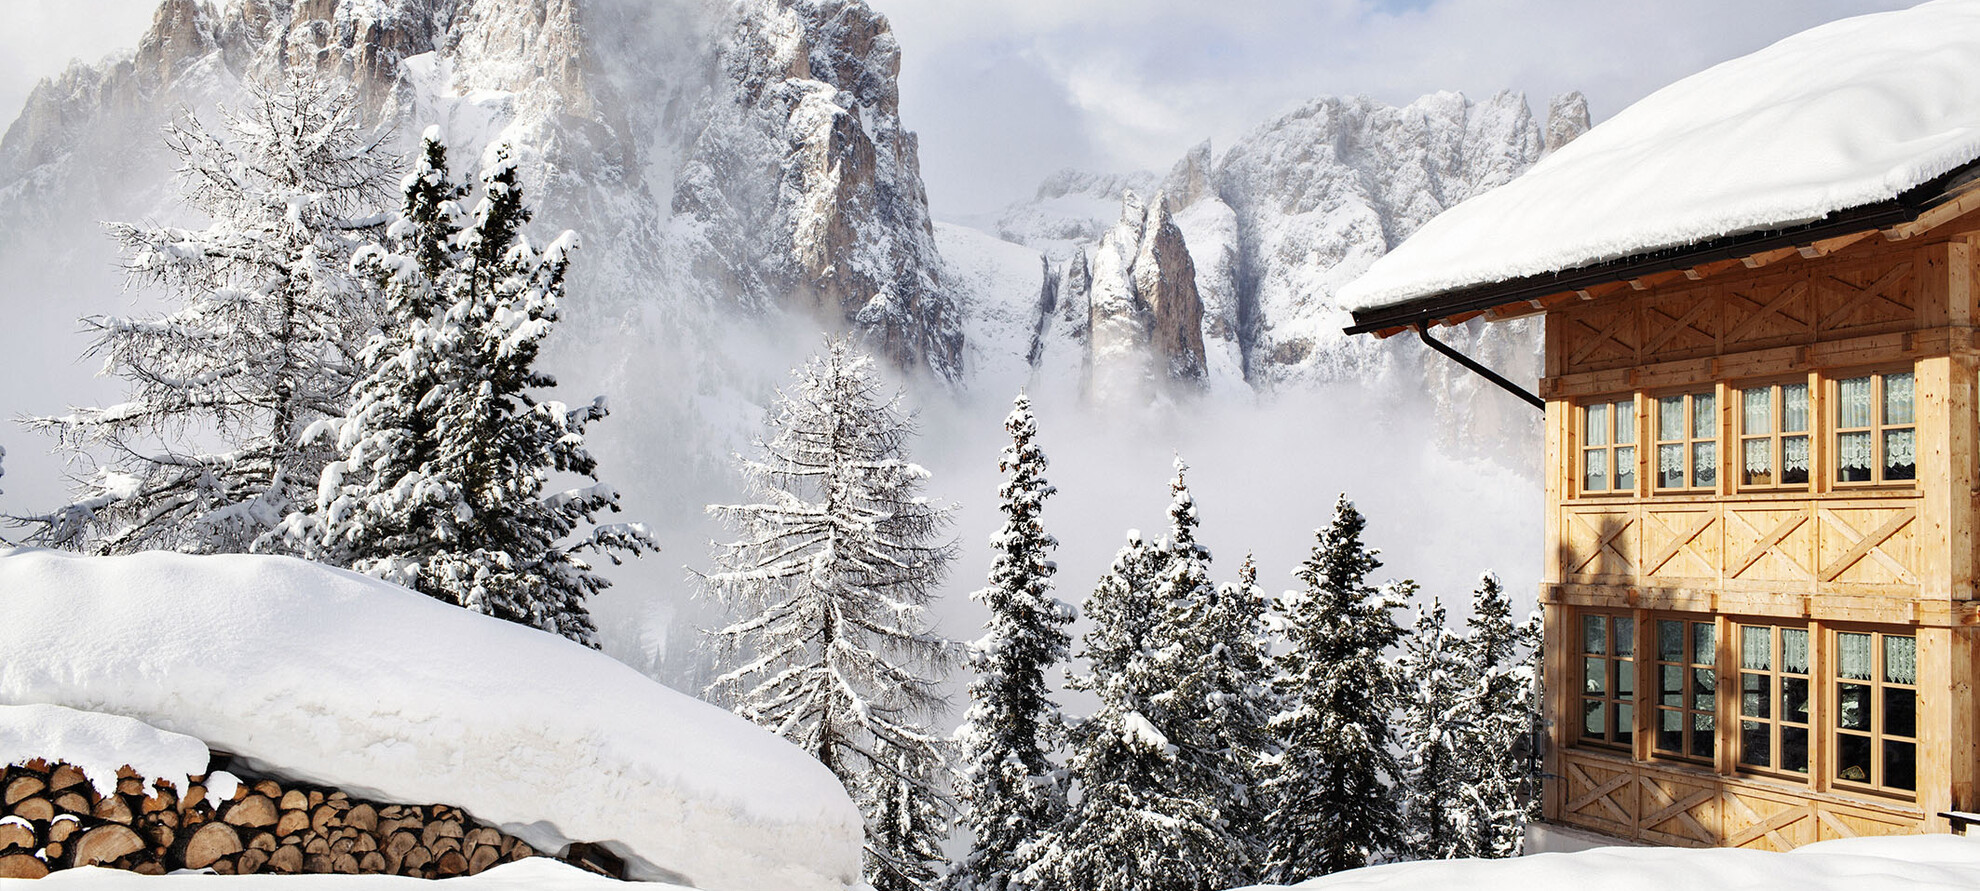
(1755, 635)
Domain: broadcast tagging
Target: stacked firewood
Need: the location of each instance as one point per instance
(51, 817)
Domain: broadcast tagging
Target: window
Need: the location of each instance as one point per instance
(1876, 717)
(1687, 688)
(1687, 442)
(1773, 698)
(1875, 437)
(1773, 436)
(1608, 679)
(1608, 447)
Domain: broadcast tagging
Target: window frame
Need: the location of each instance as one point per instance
(1610, 445)
(1776, 719)
(1777, 437)
(1689, 443)
(1616, 733)
(1688, 708)
(1879, 427)
(1878, 735)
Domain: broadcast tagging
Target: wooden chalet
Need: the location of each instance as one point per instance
(1762, 457)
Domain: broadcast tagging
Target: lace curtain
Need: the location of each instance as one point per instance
(1900, 448)
(1756, 647)
(1670, 461)
(1670, 418)
(1853, 451)
(1597, 427)
(1704, 417)
(1625, 422)
(1759, 455)
(1595, 471)
(1794, 650)
(1794, 408)
(1704, 463)
(1901, 660)
(1757, 415)
(1853, 396)
(1794, 453)
(1898, 398)
(1853, 656)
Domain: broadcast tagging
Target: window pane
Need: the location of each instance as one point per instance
(1794, 650)
(1853, 457)
(1900, 712)
(1704, 416)
(1757, 462)
(1756, 411)
(1756, 695)
(1702, 736)
(1853, 655)
(1594, 675)
(1794, 408)
(1900, 455)
(1670, 418)
(1596, 430)
(1595, 470)
(1794, 460)
(1853, 706)
(1670, 466)
(1755, 743)
(1625, 679)
(1794, 700)
(1898, 398)
(1670, 640)
(1625, 413)
(1594, 718)
(1705, 464)
(1703, 650)
(1595, 635)
(1853, 758)
(1625, 723)
(1625, 468)
(1704, 689)
(1900, 765)
(1670, 730)
(1794, 749)
(1900, 660)
(1853, 402)
(1625, 636)
(1756, 647)
(1670, 685)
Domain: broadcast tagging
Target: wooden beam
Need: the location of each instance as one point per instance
(1514, 310)
(1594, 292)
(1387, 333)
(1967, 202)
(1460, 318)
(1765, 257)
(1829, 246)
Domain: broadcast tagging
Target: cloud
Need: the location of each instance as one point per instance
(988, 83)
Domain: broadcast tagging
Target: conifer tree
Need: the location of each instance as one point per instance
(1008, 787)
(1241, 710)
(1438, 738)
(907, 823)
(205, 453)
(1499, 704)
(832, 646)
(444, 455)
(1332, 783)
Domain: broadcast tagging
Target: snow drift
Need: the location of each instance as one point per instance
(329, 677)
(1916, 863)
(1851, 113)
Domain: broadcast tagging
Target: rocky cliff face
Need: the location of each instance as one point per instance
(1143, 309)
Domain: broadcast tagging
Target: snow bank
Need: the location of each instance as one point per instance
(101, 744)
(1851, 113)
(333, 678)
(1915, 863)
(534, 874)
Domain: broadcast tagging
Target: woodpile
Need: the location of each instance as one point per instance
(51, 817)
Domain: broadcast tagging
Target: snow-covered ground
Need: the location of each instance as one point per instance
(329, 677)
(1850, 113)
(1908, 863)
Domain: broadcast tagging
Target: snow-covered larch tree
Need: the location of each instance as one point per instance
(832, 646)
(1332, 783)
(1008, 787)
(205, 455)
(443, 458)
(1437, 737)
(1499, 704)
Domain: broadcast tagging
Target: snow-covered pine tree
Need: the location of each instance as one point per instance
(442, 459)
(1244, 704)
(833, 647)
(1008, 788)
(1499, 703)
(205, 454)
(1438, 737)
(908, 822)
(1332, 784)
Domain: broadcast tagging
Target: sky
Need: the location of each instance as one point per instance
(1004, 92)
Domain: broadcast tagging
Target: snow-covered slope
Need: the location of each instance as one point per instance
(329, 677)
(1910, 863)
(1851, 113)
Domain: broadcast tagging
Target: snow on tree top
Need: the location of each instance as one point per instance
(1851, 113)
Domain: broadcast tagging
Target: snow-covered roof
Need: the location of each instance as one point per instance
(1846, 115)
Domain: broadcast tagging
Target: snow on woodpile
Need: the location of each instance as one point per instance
(1912, 863)
(1847, 114)
(534, 874)
(330, 677)
(101, 744)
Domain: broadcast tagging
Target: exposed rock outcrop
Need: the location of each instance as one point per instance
(1144, 313)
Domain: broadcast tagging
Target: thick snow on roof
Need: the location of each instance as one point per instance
(330, 677)
(1913, 863)
(1850, 113)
